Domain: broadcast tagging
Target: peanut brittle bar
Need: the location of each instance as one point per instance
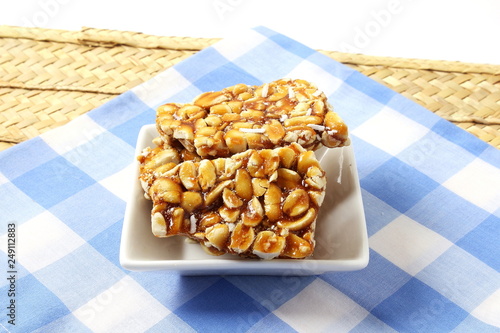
(258, 203)
(241, 117)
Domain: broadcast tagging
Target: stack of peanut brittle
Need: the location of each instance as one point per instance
(235, 170)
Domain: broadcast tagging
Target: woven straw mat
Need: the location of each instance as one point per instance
(48, 77)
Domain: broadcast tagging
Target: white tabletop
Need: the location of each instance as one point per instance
(427, 29)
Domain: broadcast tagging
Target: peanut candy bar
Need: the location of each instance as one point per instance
(241, 117)
(258, 203)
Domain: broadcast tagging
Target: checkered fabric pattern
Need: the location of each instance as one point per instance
(431, 195)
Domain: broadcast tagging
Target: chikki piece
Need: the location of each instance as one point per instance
(259, 203)
(241, 117)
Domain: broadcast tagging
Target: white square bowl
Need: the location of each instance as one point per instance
(341, 237)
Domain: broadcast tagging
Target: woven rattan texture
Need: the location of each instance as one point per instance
(48, 77)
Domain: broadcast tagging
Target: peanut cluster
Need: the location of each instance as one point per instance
(235, 170)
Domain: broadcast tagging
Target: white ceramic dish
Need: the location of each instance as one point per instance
(341, 237)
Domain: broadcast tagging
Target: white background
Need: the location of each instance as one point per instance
(460, 30)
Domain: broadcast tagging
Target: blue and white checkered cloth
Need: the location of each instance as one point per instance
(431, 194)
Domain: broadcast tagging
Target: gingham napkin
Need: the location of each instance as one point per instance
(431, 195)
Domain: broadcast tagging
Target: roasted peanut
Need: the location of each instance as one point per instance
(216, 192)
(230, 199)
(296, 203)
(254, 213)
(188, 176)
(272, 200)
(288, 179)
(229, 215)
(243, 184)
(297, 247)
(255, 165)
(191, 201)
(177, 222)
(242, 238)
(206, 177)
(315, 178)
(158, 225)
(305, 161)
(259, 186)
(217, 235)
(268, 245)
(300, 223)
